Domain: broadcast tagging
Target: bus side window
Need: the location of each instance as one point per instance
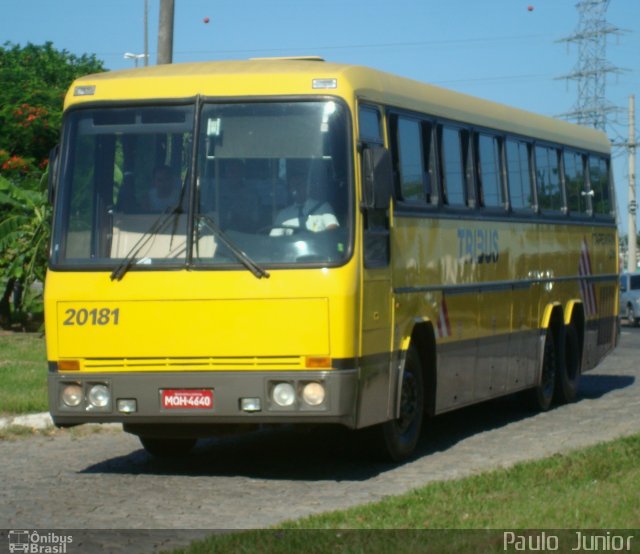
(599, 186)
(376, 221)
(490, 189)
(411, 172)
(548, 179)
(575, 183)
(519, 175)
(453, 166)
(370, 128)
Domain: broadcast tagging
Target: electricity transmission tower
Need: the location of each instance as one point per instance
(591, 71)
(591, 107)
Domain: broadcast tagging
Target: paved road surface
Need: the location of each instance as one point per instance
(107, 481)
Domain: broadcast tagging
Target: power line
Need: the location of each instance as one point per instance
(470, 41)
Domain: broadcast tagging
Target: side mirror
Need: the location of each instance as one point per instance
(53, 172)
(377, 178)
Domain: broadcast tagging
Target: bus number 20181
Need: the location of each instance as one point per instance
(97, 316)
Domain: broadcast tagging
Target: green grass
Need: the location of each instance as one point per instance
(23, 373)
(595, 488)
(20, 432)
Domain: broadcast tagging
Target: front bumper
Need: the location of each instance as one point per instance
(228, 388)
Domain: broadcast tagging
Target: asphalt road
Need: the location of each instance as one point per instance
(106, 481)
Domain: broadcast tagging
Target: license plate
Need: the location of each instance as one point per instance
(186, 399)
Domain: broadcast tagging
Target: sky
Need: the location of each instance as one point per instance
(496, 49)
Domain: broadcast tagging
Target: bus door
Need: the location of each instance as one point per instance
(376, 390)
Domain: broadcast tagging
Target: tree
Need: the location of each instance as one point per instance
(35, 80)
(31, 106)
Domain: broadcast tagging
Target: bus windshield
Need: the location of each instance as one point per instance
(268, 180)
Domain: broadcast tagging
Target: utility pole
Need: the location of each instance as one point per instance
(631, 239)
(165, 32)
(146, 33)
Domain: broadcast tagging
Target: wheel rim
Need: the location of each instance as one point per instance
(549, 369)
(408, 402)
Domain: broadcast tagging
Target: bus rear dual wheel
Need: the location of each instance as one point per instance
(560, 370)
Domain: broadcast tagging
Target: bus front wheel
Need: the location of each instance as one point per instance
(167, 448)
(395, 440)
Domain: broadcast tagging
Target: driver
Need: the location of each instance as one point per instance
(305, 212)
(165, 190)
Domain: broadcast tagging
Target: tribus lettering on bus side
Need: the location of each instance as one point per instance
(479, 245)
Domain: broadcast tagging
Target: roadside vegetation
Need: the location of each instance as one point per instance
(23, 374)
(30, 119)
(594, 488)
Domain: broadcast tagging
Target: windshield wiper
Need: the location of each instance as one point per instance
(242, 257)
(119, 272)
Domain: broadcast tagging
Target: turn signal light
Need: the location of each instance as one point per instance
(315, 362)
(69, 365)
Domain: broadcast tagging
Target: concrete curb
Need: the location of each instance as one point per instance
(35, 421)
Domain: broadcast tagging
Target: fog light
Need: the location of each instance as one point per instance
(313, 394)
(250, 404)
(127, 405)
(72, 395)
(99, 396)
(283, 394)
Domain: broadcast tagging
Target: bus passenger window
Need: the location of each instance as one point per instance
(369, 118)
(519, 173)
(491, 191)
(599, 180)
(548, 179)
(575, 182)
(452, 167)
(412, 185)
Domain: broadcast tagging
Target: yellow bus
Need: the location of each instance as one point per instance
(280, 241)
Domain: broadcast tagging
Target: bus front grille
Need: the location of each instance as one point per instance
(247, 363)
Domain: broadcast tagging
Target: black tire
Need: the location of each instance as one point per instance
(631, 316)
(568, 375)
(165, 448)
(541, 397)
(395, 440)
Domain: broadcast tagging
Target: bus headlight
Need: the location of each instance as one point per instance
(313, 394)
(283, 394)
(72, 395)
(99, 396)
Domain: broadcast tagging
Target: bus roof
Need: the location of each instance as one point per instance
(294, 76)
